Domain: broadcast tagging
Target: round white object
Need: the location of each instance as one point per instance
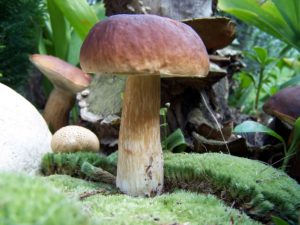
(24, 134)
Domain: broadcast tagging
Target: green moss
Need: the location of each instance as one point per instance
(27, 200)
(70, 163)
(257, 188)
(178, 207)
(74, 186)
(34, 200)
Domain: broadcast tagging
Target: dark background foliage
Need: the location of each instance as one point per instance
(20, 25)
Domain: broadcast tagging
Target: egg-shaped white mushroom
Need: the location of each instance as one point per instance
(74, 139)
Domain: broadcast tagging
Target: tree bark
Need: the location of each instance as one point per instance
(177, 10)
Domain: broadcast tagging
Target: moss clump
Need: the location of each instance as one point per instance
(257, 188)
(28, 200)
(70, 163)
(178, 207)
(254, 187)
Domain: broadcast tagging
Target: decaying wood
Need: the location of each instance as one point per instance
(197, 109)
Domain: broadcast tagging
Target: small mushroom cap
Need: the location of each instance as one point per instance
(73, 139)
(62, 74)
(144, 45)
(285, 105)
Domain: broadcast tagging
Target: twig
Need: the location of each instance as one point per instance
(87, 194)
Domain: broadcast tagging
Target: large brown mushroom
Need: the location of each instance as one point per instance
(67, 80)
(142, 47)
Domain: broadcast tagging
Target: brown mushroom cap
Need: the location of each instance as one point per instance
(74, 138)
(144, 45)
(284, 105)
(62, 74)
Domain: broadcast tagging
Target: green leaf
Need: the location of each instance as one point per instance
(74, 50)
(163, 111)
(277, 17)
(251, 56)
(292, 82)
(296, 134)
(251, 78)
(99, 10)
(290, 11)
(279, 221)
(80, 15)
(262, 54)
(293, 148)
(60, 35)
(292, 63)
(175, 142)
(253, 127)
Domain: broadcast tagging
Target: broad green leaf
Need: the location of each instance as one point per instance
(253, 127)
(74, 50)
(80, 15)
(175, 142)
(276, 17)
(60, 35)
(290, 11)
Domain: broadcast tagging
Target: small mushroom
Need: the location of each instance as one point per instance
(67, 80)
(74, 139)
(143, 47)
(285, 105)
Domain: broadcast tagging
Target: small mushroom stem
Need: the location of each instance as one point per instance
(57, 109)
(140, 159)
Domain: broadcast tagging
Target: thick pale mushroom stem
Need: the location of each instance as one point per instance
(140, 159)
(57, 109)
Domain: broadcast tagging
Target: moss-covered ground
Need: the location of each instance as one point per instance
(61, 199)
(251, 186)
(30, 201)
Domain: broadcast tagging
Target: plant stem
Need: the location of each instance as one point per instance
(260, 82)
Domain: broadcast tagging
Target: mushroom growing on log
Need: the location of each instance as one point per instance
(67, 80)
(143, 47)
